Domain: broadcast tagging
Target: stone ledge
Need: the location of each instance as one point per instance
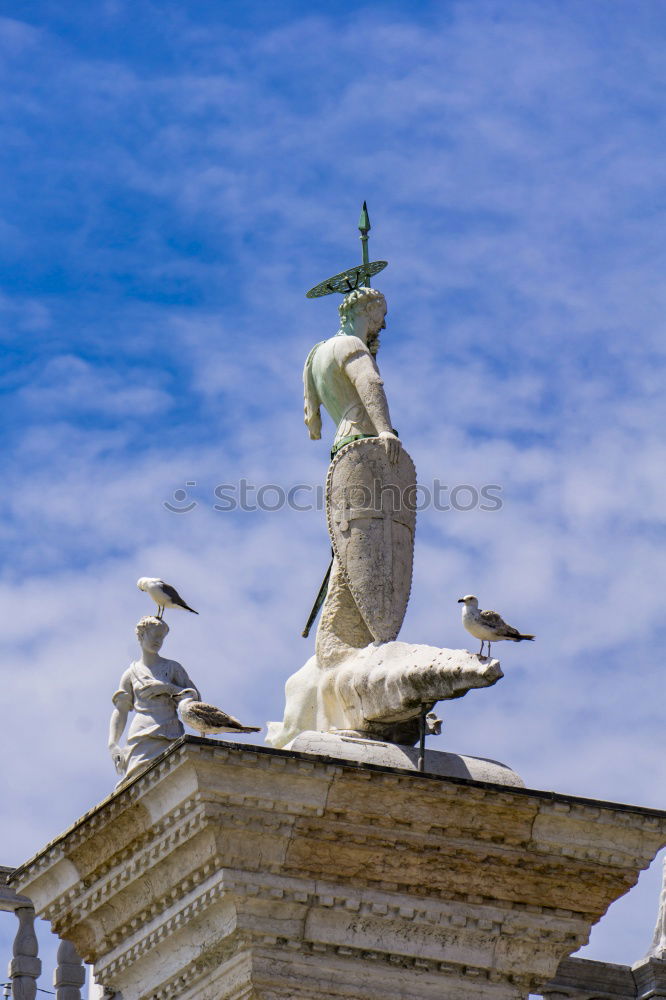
(583, 979)
(10, 900)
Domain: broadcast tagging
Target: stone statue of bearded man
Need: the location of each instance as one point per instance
(342, 375)
(362, 681)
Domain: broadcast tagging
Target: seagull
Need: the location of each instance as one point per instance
(209, 719)
(164, 595)
(487, 626)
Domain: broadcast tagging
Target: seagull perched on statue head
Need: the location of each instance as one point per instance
(164, 595)
(487, 626)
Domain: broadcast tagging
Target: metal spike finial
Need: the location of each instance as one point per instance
(364, 221)
(354, 277)
(364, 228)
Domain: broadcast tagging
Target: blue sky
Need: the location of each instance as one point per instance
(174, 177)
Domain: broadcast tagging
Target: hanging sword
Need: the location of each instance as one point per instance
(321, 597)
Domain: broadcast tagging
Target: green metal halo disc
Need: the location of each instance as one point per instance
(348, 280)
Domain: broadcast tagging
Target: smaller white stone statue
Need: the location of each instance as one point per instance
(152, 686)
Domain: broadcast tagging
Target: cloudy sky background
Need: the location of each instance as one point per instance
(175, 176)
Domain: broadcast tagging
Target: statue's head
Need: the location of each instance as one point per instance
(151, 633)
(363, 314)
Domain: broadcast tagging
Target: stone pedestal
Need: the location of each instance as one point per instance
(404, 758)
(229, 871)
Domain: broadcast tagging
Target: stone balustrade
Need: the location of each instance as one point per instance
(25, 967)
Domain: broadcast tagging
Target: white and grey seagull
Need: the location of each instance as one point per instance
(164, 595)
(205, 718)
(487, 626)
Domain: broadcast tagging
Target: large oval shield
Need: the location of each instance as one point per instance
(371, 512)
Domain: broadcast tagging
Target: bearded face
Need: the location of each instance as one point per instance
(376, 313)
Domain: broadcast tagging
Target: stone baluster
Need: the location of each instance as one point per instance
(70, 974)
(25, 968)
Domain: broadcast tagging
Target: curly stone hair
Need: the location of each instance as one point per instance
(357, 301)
(147, 622)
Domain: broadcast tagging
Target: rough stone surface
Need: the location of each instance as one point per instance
(451, 765)
(376, 687)
(226, 871)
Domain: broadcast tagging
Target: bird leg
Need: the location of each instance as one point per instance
(160, 611)
(488, 648)
(481, 650)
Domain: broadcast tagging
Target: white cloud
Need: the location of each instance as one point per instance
(70, 384)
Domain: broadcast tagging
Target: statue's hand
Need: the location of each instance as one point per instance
(118, 756)
(392, 443)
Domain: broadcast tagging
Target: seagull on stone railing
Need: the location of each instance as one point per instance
(487, 626)
(206, 719)
(164, 595)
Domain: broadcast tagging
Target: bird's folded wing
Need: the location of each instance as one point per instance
(492, 619)
(172, 593)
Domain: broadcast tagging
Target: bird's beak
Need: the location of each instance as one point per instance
(461, 600)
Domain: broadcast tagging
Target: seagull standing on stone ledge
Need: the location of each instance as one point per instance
(487, 626)
(207, 718)
(164, 595)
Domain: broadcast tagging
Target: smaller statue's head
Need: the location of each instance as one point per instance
(151, 633)
(363, 314)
